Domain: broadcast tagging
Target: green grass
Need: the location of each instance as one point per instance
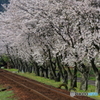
(96, 97)
(6, 95)
(50, 82)
(91, 88)
(12, 70)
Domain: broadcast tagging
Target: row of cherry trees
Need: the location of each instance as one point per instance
(48, 37)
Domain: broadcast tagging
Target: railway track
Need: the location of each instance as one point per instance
(43, 92)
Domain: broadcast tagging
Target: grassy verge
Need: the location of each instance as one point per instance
(96, 97)
(91, 88)
(50, 82)
(6, 95)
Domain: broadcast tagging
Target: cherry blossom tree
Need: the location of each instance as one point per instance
(49, 36)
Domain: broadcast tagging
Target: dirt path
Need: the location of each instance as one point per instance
(9, 79)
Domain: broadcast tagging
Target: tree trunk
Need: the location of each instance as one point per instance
(75, 76)
(46, 73)
(71, 76)
(37, 70)
(84, 83)
(85, 75)
(51, 76)
(59, 66)
(97, 83)
(8, 65)
(51, 65)
(23, 69)
(41, 72)
(30, 69)
(97, 73)
(58, 77)
(65, 77)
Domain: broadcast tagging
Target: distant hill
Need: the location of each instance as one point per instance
(2, 9)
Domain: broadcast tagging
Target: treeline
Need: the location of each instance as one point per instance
(54, 39)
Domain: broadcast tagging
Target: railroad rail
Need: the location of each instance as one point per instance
(46, 93)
